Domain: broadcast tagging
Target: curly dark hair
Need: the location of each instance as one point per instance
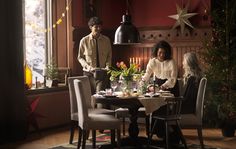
(94, 21)
(163, 45)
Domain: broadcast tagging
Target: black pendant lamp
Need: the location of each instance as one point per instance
(126, 33)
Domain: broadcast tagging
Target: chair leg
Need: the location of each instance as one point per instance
(155, 122)
(118, 138)
(87, 133)
(147, 125)
(113, 134)
(94, 138)
(84, 138)
(199, 130)
(167, 135)
(181, 135)
(79, 137)
(123, 122)
(72, 130)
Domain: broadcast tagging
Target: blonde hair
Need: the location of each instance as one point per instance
(191, 66)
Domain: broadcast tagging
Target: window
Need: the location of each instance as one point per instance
(37, 18)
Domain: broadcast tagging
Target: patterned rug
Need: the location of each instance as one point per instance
(108, 146)
(103, 142)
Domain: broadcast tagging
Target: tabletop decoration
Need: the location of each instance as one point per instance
(128, 76)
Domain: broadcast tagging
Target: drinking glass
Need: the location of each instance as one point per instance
(114, 85)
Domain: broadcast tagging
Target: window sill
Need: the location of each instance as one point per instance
(46, 90)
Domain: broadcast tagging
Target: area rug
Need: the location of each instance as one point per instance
(108, 146)
(103, 142)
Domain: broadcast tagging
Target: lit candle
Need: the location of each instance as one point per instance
(154, 84)
(139, 63)
(133, 60)
(130, 60)
(136, 60)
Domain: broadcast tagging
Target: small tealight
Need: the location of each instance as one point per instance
(108, 92)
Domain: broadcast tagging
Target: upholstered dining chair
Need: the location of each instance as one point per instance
(194, 120)
(93, 121)
(73, 103)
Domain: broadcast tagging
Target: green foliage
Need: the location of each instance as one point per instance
(128, 73)
(52, 71)
(219, 57)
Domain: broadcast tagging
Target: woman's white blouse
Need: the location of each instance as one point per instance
(162, 70)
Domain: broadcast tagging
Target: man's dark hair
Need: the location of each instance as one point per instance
(163, 45)
(94, 21)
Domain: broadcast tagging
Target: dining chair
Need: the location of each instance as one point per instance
(172, 117)
(73, 103)
(194, 120)
(93, 121)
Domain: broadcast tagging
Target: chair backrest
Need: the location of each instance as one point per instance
(63, 74)
(81, 103)
(174, 106)
(73, 101)
(200, 98)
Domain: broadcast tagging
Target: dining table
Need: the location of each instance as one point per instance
(151, 102)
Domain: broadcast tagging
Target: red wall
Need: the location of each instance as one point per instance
(77, 13)
(156, 12)
(145, 13)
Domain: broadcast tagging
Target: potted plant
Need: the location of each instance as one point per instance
(51, 74)
(219, 57)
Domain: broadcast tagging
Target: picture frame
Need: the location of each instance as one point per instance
(90, 8)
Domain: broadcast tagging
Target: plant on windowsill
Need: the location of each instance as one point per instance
(219, 56)
(51, 74)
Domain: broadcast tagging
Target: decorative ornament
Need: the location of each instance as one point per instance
(182, 17)
(33, 115)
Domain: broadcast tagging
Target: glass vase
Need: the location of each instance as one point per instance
(126, 87)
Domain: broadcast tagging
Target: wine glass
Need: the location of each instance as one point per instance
(114, 85)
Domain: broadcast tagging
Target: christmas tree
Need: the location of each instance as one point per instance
(220, 60)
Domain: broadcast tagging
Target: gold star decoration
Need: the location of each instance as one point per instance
(182, 17)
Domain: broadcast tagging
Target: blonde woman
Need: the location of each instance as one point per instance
(191, 78)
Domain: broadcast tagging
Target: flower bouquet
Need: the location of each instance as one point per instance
(127, 76)
(122, 72)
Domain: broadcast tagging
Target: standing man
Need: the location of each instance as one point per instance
(95, 55)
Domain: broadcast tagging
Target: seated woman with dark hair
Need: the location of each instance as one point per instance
(163, 67)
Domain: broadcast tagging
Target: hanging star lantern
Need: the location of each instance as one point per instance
(182, 17)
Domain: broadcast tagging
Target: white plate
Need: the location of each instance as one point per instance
(162, 91)
(109, 96)
(151, 95)
(101, 92)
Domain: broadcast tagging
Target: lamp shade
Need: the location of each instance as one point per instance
(126, 33)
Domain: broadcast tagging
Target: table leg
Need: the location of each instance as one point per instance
(133, 127)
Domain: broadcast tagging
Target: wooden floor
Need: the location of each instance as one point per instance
(57, 136)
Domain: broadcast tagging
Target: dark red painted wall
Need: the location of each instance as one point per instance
(145, 13)
(156, 12)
